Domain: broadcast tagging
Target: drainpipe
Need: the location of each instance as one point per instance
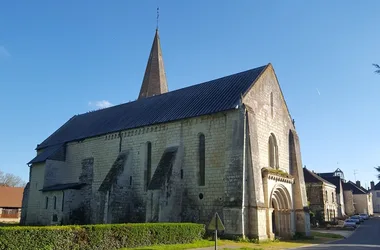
(244, 167)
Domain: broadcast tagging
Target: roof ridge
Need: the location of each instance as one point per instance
(171, 92)
(318, 177)
(209, 97)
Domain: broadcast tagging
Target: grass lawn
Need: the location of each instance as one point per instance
(229, 244)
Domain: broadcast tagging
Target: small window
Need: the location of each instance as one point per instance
(46, 202)
(271, 103)
(327, 198)
(130, 180)
(377, 194)
(55, 202)
(332, 196)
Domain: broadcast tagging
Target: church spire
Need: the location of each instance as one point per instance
(154, 82)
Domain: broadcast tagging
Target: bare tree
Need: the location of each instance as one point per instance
(11, 180)
(377, 66)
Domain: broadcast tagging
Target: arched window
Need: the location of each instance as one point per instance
(273, 152)
(201, 158)
(55, 202)
(46, 202)
(148, 163)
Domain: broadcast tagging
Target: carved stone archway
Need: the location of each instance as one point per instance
(280, 212)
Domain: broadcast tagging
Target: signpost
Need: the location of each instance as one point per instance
(216, 224)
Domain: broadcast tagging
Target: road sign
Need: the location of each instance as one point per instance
(216, 223)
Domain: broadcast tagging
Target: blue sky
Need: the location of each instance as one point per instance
(58, 59)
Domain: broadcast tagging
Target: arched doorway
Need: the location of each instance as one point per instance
(281, 206)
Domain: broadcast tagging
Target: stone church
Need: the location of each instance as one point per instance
(228, 145)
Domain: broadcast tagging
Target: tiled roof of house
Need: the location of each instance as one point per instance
(311, 177)
(355, 189)
(202, 99)
(11, 197)
(336, 180)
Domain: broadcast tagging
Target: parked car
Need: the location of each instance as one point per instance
(350, 223)
(357, 220)
(365, 216)
(357, 217)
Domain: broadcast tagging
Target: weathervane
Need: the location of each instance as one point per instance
(158, 15)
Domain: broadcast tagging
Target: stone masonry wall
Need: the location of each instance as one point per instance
(349, 202)
(105, 149)
(268, 114)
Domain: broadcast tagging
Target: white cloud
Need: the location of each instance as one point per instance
(4, 52)
(101, 104)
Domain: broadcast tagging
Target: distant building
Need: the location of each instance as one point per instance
(375, 191)
(10, 203)
(321, 195)
(337, 178)
(361, 197)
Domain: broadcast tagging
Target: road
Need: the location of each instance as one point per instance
(366, 237)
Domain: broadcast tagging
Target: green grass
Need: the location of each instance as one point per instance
(245, 244)
(244, 248)
(327, 235)
(196, 244)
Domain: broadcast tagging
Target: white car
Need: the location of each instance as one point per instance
(349, 223)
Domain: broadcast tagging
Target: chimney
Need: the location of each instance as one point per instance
(372, 185)
(358, 183)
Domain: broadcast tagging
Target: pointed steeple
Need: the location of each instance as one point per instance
(154, 82)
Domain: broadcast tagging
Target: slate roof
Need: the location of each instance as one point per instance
(206, 98)
(311, 177)
(11, 197)
(46, 154)
(352, 186)
(64, 186)
(336, 180)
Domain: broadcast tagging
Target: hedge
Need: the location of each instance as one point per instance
(108, 236)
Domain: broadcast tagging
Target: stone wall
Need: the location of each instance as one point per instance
(268, 115)
(376, 200)
(25, 198)
(315, 197)
(349, 202)
(363, 204)
(36, 200)
(104, 150)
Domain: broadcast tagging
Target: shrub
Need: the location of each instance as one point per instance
(108, 236)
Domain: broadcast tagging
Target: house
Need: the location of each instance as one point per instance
(375, 191)
(10, 203)
(337, 178)
(361, 197)
(337, 181)
(321, 195)
(228, 145)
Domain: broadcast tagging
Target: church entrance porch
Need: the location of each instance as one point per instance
(279, 203)
(280, 213)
